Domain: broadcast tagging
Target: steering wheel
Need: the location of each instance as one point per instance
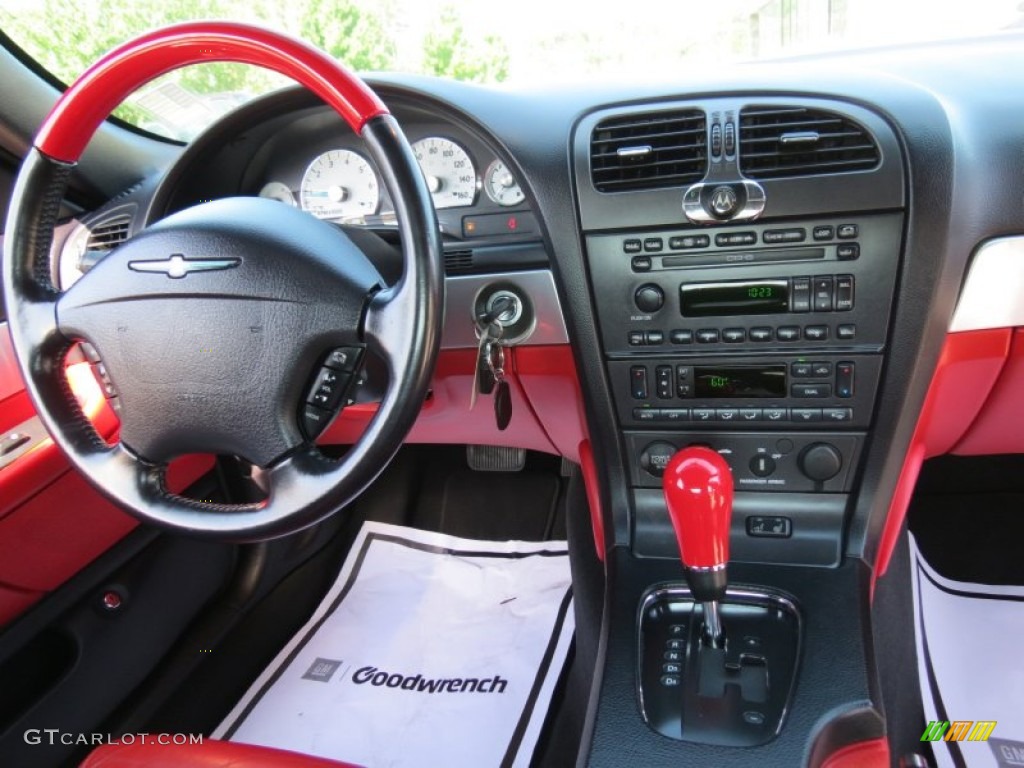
(225, 327)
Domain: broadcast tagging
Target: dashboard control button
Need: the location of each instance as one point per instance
(811, 390)
(762, 465)
(762, 333)
(837, 414)
(735, 238)
(681, 336)
(641, 264)
(730, 139)
(653, 461)
(703, 414)
(638, 382)
(675, 414)
(804, 415)
(847, 231)
(727, 414)
(653, 244)
(637, 338)
(688, 242)
(788, 333)
(823, 287)
(844, 293)
(820, 461)
(632, 245)
(649, 298)
(654, 338)
(750, 414)
(314, 420)
(646, 414)
(848, 252)
(821, 370)
(328, 389)
(776, 414)
(824, 232)
(772, 236)
(734, 335)
(844, 380)
(846, 332)
(816, 332)
(684, 381)
(801, 370)
(801, 294)
(343, 359)
(778, 527)
(707, 336)
(663, 382)
(716, 140)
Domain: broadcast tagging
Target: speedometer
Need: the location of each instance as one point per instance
(339, 184)
(450, 174)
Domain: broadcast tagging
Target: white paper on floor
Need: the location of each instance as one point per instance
(970, 664)
(429, 650)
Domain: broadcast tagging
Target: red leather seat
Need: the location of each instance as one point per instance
(209, 754)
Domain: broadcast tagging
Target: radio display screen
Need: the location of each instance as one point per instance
(738, 381)
(740, 297)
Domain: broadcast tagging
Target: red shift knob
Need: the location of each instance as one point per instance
(698, 491)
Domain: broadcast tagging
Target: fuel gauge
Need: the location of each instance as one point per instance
(501, 185)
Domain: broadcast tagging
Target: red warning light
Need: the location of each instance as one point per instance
(512, 223)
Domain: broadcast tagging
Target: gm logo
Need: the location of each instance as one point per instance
(958, 730)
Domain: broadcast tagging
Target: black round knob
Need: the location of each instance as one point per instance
(820, 461)
(655, 457)
(649, 298)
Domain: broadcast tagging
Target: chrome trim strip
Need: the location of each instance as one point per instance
(537, 285)
(992, 295)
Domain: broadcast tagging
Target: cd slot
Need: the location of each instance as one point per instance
(720, 258)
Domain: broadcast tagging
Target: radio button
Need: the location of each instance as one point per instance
(811, 390)
(750, 414)
(801, 370)
(688, 242)
(734, 335)
(653, 244)
(681, 336)
(728, 414)
(823, 294)
(823, 233)
(654, 338)
(763, 333)
(788, 333)
(772, 236)
(641, 263)
(837, 414)
(703, 414)
(805, 415)
(847, 231)
(844, 293)
(736, 238)
(848, 252)
(663, 382)
(846, 332)
(649, 298)
(646, 414)
(637, 338)
(632, 245)
(816, 332)
(801, 294)
(776, 414)
(707, 336)
(638, 382)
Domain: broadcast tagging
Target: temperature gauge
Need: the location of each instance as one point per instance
(501, 185)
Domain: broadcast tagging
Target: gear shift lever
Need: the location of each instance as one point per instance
(698, 491)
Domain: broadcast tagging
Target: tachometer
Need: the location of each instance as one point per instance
(501, 185)
(450, 174)
(275, 190)
(340, 184)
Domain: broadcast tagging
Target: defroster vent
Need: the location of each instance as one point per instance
(779, 142)
(649, 150)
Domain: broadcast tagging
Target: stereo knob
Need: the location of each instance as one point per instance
(820, 461)
(649, 298)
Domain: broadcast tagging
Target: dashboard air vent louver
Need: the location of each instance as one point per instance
(779, 142)
(109, 233)
(649, 150)
(458, 261)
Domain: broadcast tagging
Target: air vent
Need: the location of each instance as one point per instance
(109, 233)
(458, 261)
(649, 151)
(779, 142)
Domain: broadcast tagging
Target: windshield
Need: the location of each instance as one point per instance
(529, 41)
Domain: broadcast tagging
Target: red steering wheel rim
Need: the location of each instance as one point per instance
(97, 92)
